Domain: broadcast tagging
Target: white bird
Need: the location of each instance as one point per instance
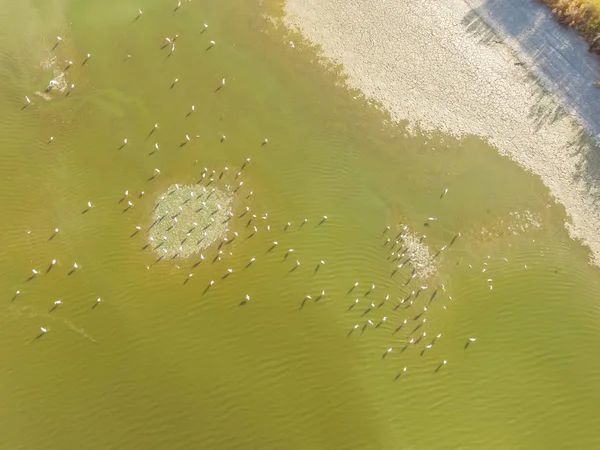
(89, 55)
(35, 272)
(212, 43)
(51, 138)
(140, 11)
(212, 282)
(98, 300)
(43, 330)
(75, 266)
(58, 38)
(472, 339)
(125, 141)
(27, 99)
(266, 141)
(53, 261)
(247, 297)
(223, 82)
(57, 302)
(445, 192)
(89, 204)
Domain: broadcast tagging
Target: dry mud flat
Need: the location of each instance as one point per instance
(502, 70)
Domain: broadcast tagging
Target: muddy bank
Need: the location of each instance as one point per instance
(502, 70)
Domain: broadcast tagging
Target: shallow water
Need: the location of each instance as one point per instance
(165, 363)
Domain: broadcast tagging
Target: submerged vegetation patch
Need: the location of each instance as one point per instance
(411, 252)
(189, 218)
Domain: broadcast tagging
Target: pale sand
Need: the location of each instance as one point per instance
(435, 64)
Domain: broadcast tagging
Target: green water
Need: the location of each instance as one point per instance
(159, 364)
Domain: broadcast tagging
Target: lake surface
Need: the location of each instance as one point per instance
(169, 361)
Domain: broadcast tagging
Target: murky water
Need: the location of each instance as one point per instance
(166, 360)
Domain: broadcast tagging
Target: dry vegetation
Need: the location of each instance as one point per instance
(583, 15)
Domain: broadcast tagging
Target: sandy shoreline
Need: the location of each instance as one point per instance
(465, 67)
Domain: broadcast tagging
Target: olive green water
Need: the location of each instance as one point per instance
(161, 363)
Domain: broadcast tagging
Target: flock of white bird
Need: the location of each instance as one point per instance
(401, 311)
